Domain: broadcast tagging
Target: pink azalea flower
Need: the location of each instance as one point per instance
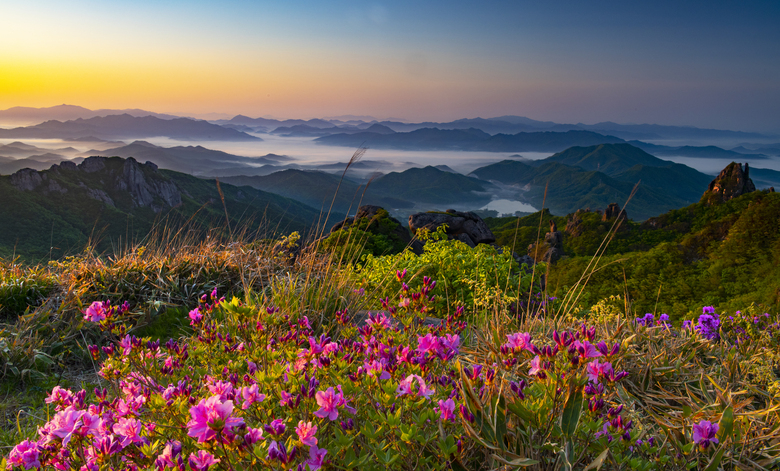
(519, 341)
(60, 396)
(169, 455)
(65, 423)
(316, 457)
(306, 431)
(406, 387)
(195, 316)
(536, 366)
(96, 312)
(447, 410)
(223, 389)
(253, 435)
(25, 454)
(449, 346)
(251, 394)
(210, 417)
(375, 368)
(129, 431)
(428, 343)
(126, 344)
(202, 460)
(328, 401)
(597, 370)
(586, 350)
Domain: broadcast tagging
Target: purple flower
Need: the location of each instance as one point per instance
(447, 410)
(276, 427)
(704, 433)
(316, 457)
(202, 460)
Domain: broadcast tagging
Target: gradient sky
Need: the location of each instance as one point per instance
(707, 64)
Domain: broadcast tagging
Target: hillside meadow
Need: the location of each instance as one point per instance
(226, 354)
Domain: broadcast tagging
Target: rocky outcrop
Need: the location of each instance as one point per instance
(26, 179)
(92, 164)
(730, 183)
(464, 226)
(144, 190)
(551, 249)
(613, 211)
(373, 214)
(97, 194)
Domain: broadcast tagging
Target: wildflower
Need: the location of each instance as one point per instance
(277, 451)
(276, 427)
(60, 396)
(375, 368)
(406, 386)
(251, 394)
(210, 417)
(646, 320)
(537, 368)
(704, 433)
(519, 341)
(316, 457)
(96, 312)
(447, 410)
(129, 431)
(195, 316)
(65, 423)
(202, 460)
(25, 454)
(328, 401)
(585, 349)
(428, 343)
(597, 370)
(305, 432)
(400, 274)
(170, 453)
(253, 435)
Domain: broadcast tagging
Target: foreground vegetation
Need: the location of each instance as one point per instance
(257, 356)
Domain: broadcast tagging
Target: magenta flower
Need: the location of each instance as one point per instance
(250, 395)
(276, 427)
(375, 368)
(449, 346)
(537, 368)
(253, 435)
(586, 350)
(195, 316)
(210, 417)
(316, 458)
(328, 401)
(597, 370)
(169, 455)
(202, 460)
(428, 343)
(306, 431)
(25, 454)
(65, 423)
(447, 410)
(407, 386)
(704, 433)
(129, 431)
(96, 312)
(519, 341)
(61, 397)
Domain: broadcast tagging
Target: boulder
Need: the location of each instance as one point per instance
(551, 249)
(373, 212)
(464, 226)
(614, 211)
(730, 183)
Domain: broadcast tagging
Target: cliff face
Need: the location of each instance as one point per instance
(111, 181)
(730, 183)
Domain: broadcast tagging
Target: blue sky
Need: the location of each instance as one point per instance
(708, 64)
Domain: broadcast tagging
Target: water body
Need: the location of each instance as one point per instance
(504, 206)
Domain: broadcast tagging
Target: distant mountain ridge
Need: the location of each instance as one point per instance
(108, 199)
(28, 115)
(126, 126)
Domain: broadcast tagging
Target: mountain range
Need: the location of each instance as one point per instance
(125, 126)
(109, 202)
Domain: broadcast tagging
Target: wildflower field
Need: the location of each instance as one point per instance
(218, 356)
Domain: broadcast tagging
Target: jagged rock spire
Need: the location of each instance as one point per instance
(730, 183)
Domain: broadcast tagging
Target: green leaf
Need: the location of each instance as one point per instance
(726, 424)
(571, 412)
(715, 462)
(519, 462)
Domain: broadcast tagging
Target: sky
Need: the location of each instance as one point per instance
(707, 64)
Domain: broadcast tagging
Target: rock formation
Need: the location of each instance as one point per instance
(613, 211)
(730, 183)
(551, 249)
(464, 226)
